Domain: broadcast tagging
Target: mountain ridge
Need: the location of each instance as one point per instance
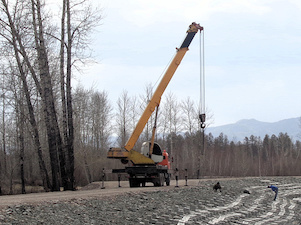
(247, 127)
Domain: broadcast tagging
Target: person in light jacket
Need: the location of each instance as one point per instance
(275, 189)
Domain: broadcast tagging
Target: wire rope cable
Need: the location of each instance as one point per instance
(202, 115)
(163, 72)
(202, 73)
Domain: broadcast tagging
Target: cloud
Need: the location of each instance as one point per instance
(147, 12)
(252, 54)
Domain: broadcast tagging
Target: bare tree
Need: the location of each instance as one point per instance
(171, 115)
(147, 132)
(123, 118)
(78, 19)
(18, 100)
(190, 116)
(101, 117)
(82, 118)
(13, 37)
(3, 134)
(299, 135)
(31, 34)
(93, 129)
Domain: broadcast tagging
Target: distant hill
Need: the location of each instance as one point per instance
(245, 128)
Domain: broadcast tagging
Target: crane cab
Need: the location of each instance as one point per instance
(157, 155)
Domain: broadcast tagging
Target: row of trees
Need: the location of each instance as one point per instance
(37, 58)
(98, 126)
(56, 137)
(218, 156)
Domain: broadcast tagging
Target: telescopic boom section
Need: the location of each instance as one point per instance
(155, 100)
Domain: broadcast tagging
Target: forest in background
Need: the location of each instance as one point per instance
(99, 126)
(53, 135)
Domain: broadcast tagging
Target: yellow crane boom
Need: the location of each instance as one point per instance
(127, 153)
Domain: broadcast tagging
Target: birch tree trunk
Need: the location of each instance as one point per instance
(70, 139)
(15, 41)
(53, 134)
(20, 122)
(63, 97)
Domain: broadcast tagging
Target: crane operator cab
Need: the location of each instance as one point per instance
(157, 155)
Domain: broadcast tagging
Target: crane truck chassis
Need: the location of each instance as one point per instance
(151, 164)
(140, 175)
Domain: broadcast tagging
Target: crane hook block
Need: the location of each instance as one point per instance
(202, 117)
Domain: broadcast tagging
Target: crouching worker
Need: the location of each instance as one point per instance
(275, 189)
(217, 186)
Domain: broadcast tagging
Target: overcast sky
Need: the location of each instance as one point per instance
(252, 54)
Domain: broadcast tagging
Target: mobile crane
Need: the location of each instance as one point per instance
(151, 164)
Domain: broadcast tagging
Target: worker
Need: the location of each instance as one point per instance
(275, 189)
(217, 186)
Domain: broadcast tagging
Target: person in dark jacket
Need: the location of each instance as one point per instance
(275, 189)
(217, 186)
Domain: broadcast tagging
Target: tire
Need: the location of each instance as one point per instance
(134, 182)
(156, 183)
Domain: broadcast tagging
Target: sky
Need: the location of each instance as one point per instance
(252, 54)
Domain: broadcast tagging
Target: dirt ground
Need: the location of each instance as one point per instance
(95, 189)
(196, 203)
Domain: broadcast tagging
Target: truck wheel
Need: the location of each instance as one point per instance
(131, 183)
(134, 183)
(156, 182)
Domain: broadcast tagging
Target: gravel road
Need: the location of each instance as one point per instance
(196, 203)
